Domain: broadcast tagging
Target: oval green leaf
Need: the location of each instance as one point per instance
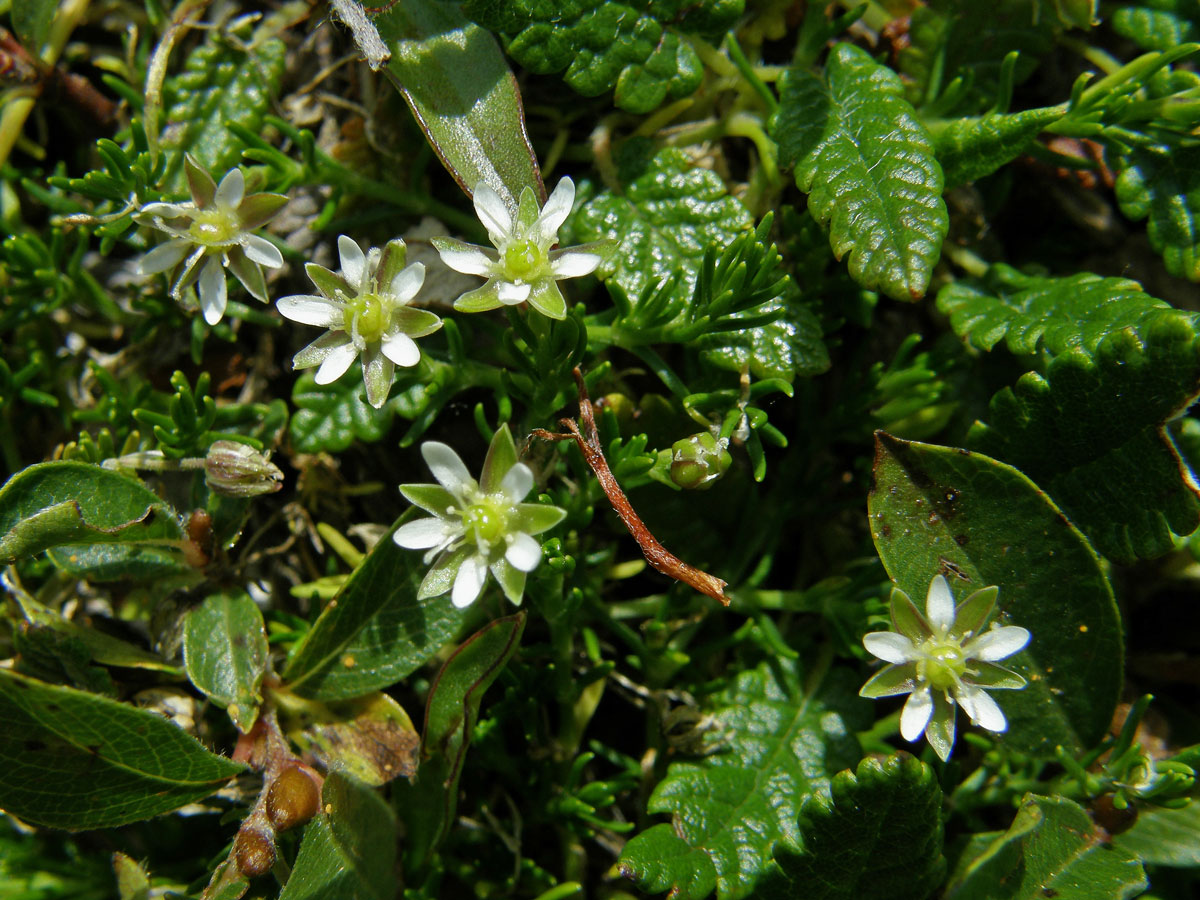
(225, 653)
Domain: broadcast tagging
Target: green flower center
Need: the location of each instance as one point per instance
(524, 260)
(368, 313)
(214, 227)
(942, 662)
(488, 520)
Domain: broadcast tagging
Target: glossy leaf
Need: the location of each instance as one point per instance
(943, 510)
(636, 48)
(789, 346)
(225, 653)
(97, 523)
(878, 836)
(451, 712)
(374, 632)
(1162, 185)
(731, 808)
(1157, 24)
(331, 417)
(31, 21)
(974, 146)
(349, 849)
(1052, 849)
(74, 760)
(868, 166)
(1164, 837)
(1091, 433)
(102, 648)
(463, 95)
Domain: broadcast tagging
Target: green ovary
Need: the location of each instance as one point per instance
(524, 261)
(369, 315)
(487, 520)
(214, 227)
(942, 663)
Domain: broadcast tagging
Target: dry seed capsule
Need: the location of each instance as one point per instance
(254, 851)
(292, 799)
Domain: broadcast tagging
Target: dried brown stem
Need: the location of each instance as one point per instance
(588, 441)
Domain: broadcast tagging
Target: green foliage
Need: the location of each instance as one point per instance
(1158, 24)
(941, 510)
(868, 166)
(636, 48)
(225, 654)
(972, 147)
(332, 416)
(730, 809)
(74, 760)
(31, 20)
(1164, 837)
(877, 836)
(1053, 846)
(1161, 183)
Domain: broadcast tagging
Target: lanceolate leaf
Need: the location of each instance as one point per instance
(868, 166)
(943, 510)
(1164, 837)
(1052, 849)
(972, 147)
(877, 837)
(225, 652)
(463, 95)
(73, 760)
(1162, 184)
(730, 809)
(374, 632)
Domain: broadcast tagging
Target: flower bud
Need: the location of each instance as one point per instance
(253, 851)
(698, 461)
(238, 470)
(292, 799)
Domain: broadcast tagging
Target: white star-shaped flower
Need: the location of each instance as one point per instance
(522, 268)
(943, 658)
(365, 307)
(476, 527)
(215, 235)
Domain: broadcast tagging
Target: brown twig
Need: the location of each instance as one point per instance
(656, 554)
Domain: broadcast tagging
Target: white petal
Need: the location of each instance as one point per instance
(492, 212)
(983, 710)
(517, 482)
(354, 262)
(337, 360)
(212, 291)
(889, 646)
(261, 251)
(231, 190)
(402, 350)
(572, 264)
(167, 210)
(163, 257)
(446, 466)
(472, 261)
(469, 581)
(309, 309)
(556, 210)
(939, 603)
(511, 294)
(406, 284)
(918, 710)
(997, 643)
(523, 552)
(423, 533)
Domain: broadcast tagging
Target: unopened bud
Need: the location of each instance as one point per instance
(238, 470)
(292, 799)
(698, 461)
(253, 851)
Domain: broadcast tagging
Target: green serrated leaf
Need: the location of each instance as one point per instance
(375, 631)
(1162, 184)
(668, 213)
(869, 168)
(1157, 24)
(1052, 849)
(730, 809)
(225, 654)
(878, 836)
(95, 522)
(636, 48)
(789, 346)
(972, 147)
(463, 95)
(1091, 433)
(31, 21)
(940, 509)
(1164, 837)
(349, 849)
(331, 417)
(74, 760)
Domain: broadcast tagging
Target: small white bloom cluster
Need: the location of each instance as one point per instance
(944, 658)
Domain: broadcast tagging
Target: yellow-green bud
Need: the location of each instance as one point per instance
(698, 461)
(238, 470)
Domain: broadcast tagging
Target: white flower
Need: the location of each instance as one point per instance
(215, 235)
(476, 526)
(365, 307)
(522, 267)
(944, 658)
